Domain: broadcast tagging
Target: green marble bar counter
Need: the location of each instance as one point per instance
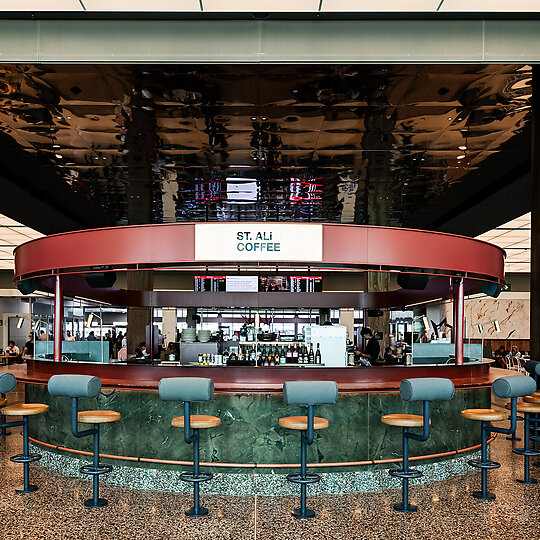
(354, 449)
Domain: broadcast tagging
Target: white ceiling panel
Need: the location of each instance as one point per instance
(490, 5)
(41, 5)
(515, 237)
(260, 5)
(12, 234)
(140, 5)
(382, 5)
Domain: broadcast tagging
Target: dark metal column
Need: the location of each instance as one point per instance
(535, 217)
(58, 318)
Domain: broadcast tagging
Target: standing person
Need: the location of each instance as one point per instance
(373, 349)
(69, 337)
(91, 336)
(43, 336)
(29, 347)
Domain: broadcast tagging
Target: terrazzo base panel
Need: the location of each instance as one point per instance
(255, 484)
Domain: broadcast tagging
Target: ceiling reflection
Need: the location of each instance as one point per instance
(348, 143)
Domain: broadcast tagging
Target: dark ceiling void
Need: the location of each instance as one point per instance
(379, 144)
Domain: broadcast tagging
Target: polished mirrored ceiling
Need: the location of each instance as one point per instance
(334, 143)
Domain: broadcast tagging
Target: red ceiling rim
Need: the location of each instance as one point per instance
(154, 246)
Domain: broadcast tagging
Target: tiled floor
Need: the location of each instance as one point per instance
(446, 510)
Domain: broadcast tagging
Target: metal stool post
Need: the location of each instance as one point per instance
(196, 477)
(3, 430)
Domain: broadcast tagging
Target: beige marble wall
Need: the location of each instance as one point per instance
(513, 316)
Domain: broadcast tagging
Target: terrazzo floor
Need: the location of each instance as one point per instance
(446, 509)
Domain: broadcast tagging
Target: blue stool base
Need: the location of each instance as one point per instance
(197, 512)
(89, 503)
(487, 496)
(21, 490)
(407, 509)
(306, 514)
(530, 481)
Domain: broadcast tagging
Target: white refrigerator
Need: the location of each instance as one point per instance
(332, 341)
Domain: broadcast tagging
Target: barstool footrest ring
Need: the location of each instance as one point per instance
(400, 473)
(90, 469)
(21, 458)
(526, 452)
(479, 464)
(191, 477)
(297, 478)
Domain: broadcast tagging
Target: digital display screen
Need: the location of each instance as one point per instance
(258, 283)
(306, 284)
(210, 283)
(274, 284)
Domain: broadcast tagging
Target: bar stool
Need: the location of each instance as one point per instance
(426, 390)
(512, 387)
(7, 384)
(527, 452)
(188, 389)
(85, 386)
(309, 394)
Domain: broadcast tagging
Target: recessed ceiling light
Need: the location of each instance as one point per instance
(68, 117)
(462, 147)
(59, 156)
(56, 146)
(97, 157)
(461, 156)
(449, 118)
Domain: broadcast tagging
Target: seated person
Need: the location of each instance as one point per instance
(499, 356)
(390, 358)
(514, 352)
(12, 349)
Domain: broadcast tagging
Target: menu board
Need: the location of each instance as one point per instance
(306, 284)
(258, 283)
(210, 284)
(242, 284)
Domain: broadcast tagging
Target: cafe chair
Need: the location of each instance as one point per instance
(7, 384)
(85, 386)
(512, 387)
(308, 394)
(425, 390)
(189, 389)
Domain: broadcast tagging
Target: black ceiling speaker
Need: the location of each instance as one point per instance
(374, 312)
(415, 282)
(491, 289)
(27, 286)
(100, 280)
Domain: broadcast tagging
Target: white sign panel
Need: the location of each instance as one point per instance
(242, 284)
(258, 242)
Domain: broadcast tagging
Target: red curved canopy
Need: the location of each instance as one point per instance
(165, 245)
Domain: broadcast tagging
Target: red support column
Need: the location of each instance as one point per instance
(58, 319)
(459, 308)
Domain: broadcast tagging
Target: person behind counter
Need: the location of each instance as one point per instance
(372, 350)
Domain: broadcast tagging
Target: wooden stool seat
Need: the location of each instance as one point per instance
(25, 409)
(403, 420)
(528, 408)
(531, 399)
(300, 422)
(486, 415)
(3, 401)
(98, 417)
(197, 421)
